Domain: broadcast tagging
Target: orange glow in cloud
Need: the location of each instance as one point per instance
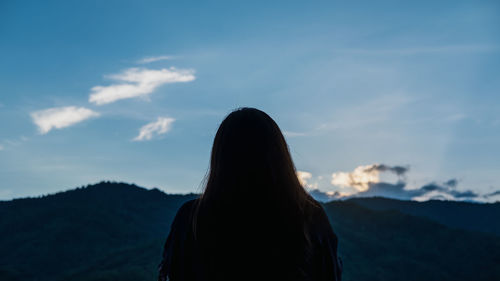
(360, 178)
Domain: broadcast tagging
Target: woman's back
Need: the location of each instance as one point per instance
(243, 253)
(254, 220)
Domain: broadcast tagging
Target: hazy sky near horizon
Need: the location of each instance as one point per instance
(134, 91)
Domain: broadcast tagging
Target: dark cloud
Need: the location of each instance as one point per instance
(431, 187)
(398, 191)
(398, 170)
(464, 194)
(390, 190)
(494, 193)
(451, 183)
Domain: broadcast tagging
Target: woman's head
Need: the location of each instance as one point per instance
(251, 165)
(249, 154)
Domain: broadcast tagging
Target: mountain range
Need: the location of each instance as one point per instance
(116, 231)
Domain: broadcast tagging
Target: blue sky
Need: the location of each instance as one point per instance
(359, 88)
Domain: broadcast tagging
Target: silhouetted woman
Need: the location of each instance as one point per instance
(254, 221)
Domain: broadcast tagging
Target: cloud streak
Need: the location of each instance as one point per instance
(138, 82)
(154, 59)
(60, 117)
(159, 127)
(446, 49)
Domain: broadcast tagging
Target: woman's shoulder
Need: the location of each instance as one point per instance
(176, 241)
(188, 205)
(184, 213)
(321, 224)
(317, 214)
(187, 208)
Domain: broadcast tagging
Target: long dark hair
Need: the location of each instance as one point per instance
(252, 191)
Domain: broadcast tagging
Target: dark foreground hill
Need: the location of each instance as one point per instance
(464, 215)
(115, 231)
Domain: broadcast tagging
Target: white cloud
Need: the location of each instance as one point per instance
(365, 182)
(360, 178)
(436, 195)
(314, 191)
(303, 177)
(153, 59)
(161, 126)
(364, 176)
(60, 117)
(136, 82)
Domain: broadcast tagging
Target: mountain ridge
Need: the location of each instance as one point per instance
(111, 231)
(472, 216)
(478, 215)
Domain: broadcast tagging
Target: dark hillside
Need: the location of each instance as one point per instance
(464, 215)
(77, 230)
(115, 231)
(389, 245)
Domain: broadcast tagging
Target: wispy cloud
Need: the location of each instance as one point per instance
(60, 117)
(1, 147)
(363, 114)
(291, 134)
(13, 142)
(136, 82)
(153, 59)
(445, 49)
(159, 127)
